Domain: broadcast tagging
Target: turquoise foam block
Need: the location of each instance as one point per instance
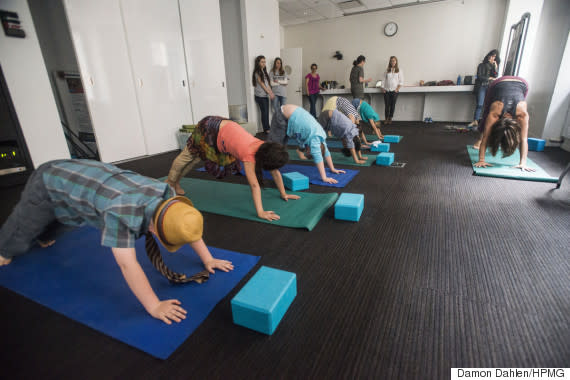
(295, 181)
(392, 138)
(349, 207)
(385, 159)
(382, 147)
(503, 167)
(536, 144)
(262, 302)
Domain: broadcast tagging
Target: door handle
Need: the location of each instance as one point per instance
(183, 83)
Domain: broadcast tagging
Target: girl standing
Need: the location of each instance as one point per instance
(357, 80)
(278, 80)
(313, 87)
(393, 81)
(486, 73)
(262, 90)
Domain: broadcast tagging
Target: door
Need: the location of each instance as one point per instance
(159, 70)
(202, 34)
(101, 49)
(293, 65)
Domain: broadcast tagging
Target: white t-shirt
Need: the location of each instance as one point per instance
(393, 80)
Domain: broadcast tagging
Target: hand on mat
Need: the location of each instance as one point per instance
(481, 164)
(290, 196)
(337, 171)
(4, 261)
(524, 168)
(329, 180)
(224, 265)
(168, 311)
(269, 215)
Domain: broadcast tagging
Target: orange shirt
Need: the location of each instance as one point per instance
(236, 141)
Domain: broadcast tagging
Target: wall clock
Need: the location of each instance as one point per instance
(390, 29)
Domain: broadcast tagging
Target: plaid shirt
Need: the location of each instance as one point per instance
(119, 202)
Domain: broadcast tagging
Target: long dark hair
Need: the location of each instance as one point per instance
(360, 58)
(281, 71)
(357, 146)
(505, 133)
(269, 156)
(495, 53)
(258, 71)
(396, 68)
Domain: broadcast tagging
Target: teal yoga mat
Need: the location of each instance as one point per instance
(337, 157)
(219, 197)
(503, 167)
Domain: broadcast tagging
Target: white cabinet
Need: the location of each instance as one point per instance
(202, 31)
(100, 45)
(158, 65)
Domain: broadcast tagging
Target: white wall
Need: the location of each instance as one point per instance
(30, 89)
(260, 23)
(233, 51)
(434, 41)
(544, 64)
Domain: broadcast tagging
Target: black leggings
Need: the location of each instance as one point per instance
(263, 104)
(390, 98)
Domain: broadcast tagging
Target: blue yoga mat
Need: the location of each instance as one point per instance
(503, 167)
(80, 279)
(312, 172)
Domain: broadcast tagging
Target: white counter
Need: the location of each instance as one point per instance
(415, 103)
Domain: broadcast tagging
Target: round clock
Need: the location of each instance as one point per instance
(390, 29)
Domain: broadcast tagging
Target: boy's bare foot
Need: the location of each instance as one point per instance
(301, 155)
(476, 146)
(4, 261)
(177, 188)
(45, 244)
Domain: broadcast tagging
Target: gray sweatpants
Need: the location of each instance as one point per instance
(31, 220)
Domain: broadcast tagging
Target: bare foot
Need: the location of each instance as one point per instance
(476, 146)
(177, 188)
(4, 261)
(45, 244)
(301, 155)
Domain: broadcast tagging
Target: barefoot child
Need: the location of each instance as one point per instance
(345, 107)
(341, 127)
(505, 121)
(291, 121)
(222, 144)
(124, 205)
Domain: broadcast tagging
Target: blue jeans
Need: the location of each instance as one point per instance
(263, 104)
(480, 98)
(278, 101)
(313, 101)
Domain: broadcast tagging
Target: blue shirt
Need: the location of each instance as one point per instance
(119, 202)
(303, 127)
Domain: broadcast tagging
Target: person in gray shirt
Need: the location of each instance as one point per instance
(278, 80)
(341, 127)
(357, 80)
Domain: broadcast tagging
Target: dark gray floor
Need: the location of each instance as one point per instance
(444, 269)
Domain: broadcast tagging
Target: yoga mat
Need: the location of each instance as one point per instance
(503, 167)
(219, 197)
(80, 279)
(337, 157)
(313, 173)
(334, 142)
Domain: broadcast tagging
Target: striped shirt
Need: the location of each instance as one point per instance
(119, 202)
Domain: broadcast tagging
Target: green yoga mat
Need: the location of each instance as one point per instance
(503, 167)
(219, 197)
(369, 138)
(337, 157)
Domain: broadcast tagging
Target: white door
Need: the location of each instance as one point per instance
(159, 70)
(293, 65)
(101, 49)
(202, 33)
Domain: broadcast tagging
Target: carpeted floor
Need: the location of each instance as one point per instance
(444, 269)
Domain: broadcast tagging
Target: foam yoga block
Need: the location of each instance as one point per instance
(349, 207)
(262, 302)
(392, 138)
(536, 144)
(295, 181)
(381, 147)
(385, 159)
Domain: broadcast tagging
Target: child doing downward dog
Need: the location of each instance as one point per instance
(222, 144)
(291, 121)
(341, 126)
